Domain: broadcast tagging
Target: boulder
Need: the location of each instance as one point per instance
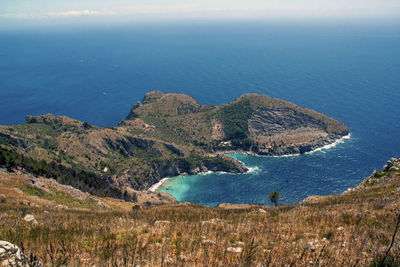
(30, 219)
(168, 260)
(182, 257)
(208, 242)
(11, 255)
(235, 249)
(212, 221)
(310, 247)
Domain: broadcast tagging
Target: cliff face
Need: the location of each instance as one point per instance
(274, 121)
(282, 131)
(143, 176)
(256, 123)
(167, 135)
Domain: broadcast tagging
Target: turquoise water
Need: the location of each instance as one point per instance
(295, 177)
(350, 72)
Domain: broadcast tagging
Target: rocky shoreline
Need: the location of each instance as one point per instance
(166, 171)
(327, 143)
(385, 176)
(164, 136)
(299, 149)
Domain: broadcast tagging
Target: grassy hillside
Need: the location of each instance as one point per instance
(352, 229)
(165, 135)
(178, 118)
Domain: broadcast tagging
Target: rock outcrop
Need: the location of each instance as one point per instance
(170, 168)
(29, 218)
(15, 141)
(280, 120)
(385, 176)
(165, 135)
(11, 255)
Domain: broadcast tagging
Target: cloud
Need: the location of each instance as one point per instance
(77, 13)
(119, 11)
(268, 9)
(71, 13)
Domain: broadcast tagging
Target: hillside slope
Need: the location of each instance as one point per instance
(76, 229)
(165, 135)
(253, 122)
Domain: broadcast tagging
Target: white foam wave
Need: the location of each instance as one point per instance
(205, 173)
(254, 169)
(286, 156)
(339, 141)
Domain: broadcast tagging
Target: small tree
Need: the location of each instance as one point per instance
(274, 197)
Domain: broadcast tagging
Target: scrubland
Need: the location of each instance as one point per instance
(352, 229)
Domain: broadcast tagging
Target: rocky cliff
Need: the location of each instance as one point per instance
(256, 123)
(164, 135)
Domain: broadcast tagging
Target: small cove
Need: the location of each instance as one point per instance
(265, 175)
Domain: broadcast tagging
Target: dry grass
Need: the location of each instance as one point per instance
(347, 230)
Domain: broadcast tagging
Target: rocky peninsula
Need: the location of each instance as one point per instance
(164, 135)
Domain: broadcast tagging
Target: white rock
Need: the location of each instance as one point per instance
(208, 242)
(261, 211)
(168, 260)
(182, 257)
(11, 255)
(212, 221)
(30, 219)
(340, 228)
(235, 249)
(310, 247)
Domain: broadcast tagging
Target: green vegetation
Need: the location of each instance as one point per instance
(165, 135)
(5, 141)
(58, 197)
(235, 118)
(352, 229)
(83, 180)
(274, 197)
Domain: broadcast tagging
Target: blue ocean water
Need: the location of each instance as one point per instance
(350, 72)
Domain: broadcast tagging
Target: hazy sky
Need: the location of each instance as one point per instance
(197, 9)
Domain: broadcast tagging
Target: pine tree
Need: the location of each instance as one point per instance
(274, 197)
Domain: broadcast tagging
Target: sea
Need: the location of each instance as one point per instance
(347, 70)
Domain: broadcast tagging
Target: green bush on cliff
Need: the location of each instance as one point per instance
(83, 180)
(235, 118)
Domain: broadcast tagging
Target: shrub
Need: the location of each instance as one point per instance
(274, 197)
(235, 118)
